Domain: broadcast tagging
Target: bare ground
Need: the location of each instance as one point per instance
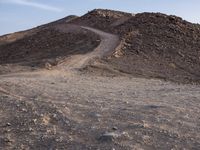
(64, 108)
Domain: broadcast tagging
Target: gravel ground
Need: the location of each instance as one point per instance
(91, 112)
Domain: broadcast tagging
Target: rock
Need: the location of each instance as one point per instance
(34, 121)
(126, 102)
(97, 115)
(24, 110)
(8, 139)
(94, 114)
(30, 129)
(115, 128)
(48, 66)
(109, 137)
(8, 124)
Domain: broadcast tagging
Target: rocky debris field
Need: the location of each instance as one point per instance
(62, 111)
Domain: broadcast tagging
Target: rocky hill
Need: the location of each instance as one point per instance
(73, 84)
(153, 45)
(46, 44)
(159, 46)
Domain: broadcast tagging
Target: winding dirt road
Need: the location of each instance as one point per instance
(108, 43)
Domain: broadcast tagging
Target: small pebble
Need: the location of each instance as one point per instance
(8, 124)
(115, 128)
(109, 137)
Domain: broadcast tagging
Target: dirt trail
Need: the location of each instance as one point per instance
(108, 43)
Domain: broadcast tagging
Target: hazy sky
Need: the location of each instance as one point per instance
(16, 15)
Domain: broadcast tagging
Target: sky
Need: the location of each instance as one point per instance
(17, 15)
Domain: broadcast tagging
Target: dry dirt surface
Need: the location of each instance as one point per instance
(83, 102)
(57, 110)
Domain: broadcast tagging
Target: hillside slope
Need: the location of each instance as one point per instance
(45, 45)
(8, 38)
(159, 46)
(153, 45)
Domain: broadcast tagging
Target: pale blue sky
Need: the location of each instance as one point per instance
(16, 15)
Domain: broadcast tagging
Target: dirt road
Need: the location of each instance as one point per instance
(108, 43)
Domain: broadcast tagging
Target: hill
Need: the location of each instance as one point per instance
(153, 45)
(93, 82)
(46, 44)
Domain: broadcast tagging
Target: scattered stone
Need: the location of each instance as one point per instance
(126, 135)
(94, 114)
(34, 121)
(55, 116)
(48, 66)
(8, 130)
(7, 139)
(97, 115)
(115, 128)
(8, 124)
(30, 129)
(109, 137)
(24, 110)
(127, 102)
